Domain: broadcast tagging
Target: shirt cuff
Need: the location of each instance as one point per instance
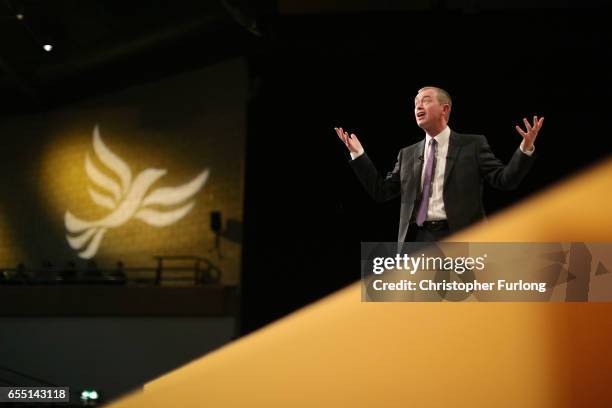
(528, 153)
(356, 155)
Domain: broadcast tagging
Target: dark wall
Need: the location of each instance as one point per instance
(305, 212)
(111, 355)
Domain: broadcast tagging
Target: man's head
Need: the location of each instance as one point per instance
(432, 107)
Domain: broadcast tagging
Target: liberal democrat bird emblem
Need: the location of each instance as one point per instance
(126, 200)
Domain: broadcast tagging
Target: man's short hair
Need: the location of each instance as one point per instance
(443, 96)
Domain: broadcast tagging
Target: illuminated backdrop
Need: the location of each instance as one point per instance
(128, 176)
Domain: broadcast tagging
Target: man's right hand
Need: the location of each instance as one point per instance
(351, 142)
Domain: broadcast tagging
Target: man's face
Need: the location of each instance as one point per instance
(427, 109)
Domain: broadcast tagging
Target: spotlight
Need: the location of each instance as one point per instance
(19, 16)
(215, 225)
(215, 221)
(47, 47)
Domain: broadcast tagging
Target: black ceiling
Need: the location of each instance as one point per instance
(100, 45)
(106, 44)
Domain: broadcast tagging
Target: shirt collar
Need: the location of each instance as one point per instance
(441, 138)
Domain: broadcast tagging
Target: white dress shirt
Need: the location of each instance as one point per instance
(435, 210)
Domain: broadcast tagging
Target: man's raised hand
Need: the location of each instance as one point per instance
(531, 132)
(351, 142)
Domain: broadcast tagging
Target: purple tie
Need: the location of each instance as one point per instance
(427, 182)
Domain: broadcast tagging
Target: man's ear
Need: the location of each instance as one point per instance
(446, 110)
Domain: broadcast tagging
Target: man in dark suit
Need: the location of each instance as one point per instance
(440, 178)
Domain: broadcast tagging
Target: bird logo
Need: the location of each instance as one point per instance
(126, 199)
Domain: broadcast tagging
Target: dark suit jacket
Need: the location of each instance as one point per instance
(469, 161)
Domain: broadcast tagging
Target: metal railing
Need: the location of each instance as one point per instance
(200, 271)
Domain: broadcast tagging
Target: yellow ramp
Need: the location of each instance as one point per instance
(340, 352)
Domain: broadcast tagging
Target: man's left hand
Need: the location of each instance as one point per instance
(531, 132)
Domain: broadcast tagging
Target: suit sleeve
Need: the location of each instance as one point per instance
(381, 189)
(498, 175)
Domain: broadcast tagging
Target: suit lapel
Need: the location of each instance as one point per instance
(417, 164)
(454, 146)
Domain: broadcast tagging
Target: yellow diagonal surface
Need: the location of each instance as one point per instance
(340, 352)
